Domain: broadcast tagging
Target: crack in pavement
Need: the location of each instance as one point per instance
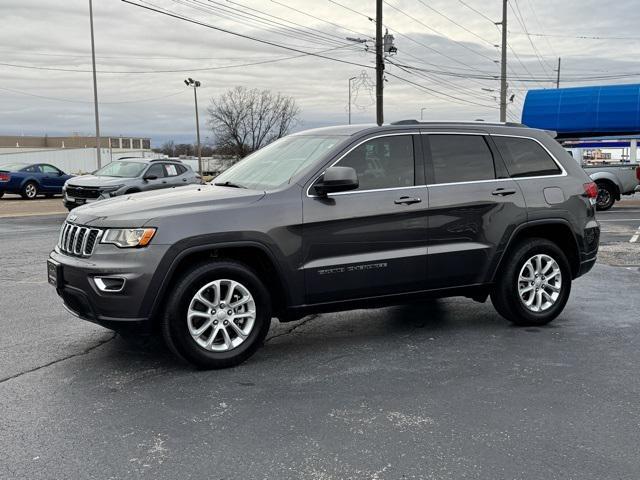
(295, 327)
(35, 369)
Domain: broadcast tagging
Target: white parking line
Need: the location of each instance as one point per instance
(635, 237)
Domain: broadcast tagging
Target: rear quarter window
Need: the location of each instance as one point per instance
(525, 157)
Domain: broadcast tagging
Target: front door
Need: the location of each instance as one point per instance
(52, 178)
(473, 208)
(370, 241)
(156, 170)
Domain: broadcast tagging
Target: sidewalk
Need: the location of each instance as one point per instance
(15, 206)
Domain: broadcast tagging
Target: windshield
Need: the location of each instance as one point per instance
(121, 169)
(273, 165)
(13, 167)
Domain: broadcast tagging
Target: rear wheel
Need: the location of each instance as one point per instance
(29, 191)
(534, 285)
(218, 315)
(606, 196)
(1, 194)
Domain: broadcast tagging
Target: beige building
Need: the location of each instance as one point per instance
(18, 143)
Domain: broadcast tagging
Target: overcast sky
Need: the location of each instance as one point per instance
(143, 58)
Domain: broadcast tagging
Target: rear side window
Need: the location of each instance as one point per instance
(525, 157)
(384, 162)
(32, 169)
(171, 169)
(460, 158)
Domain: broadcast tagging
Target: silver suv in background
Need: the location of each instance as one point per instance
(126, 176)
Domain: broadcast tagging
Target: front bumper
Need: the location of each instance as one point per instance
(122, 310)
(71, 202)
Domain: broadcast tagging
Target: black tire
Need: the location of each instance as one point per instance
(174, 323)
(505, 295)
(606, 196)
(1, 194)
(29, 191)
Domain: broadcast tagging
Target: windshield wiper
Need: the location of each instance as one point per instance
(229, 184)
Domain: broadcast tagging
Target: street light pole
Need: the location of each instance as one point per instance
(503, 65)
(350, 80)
(95, 85)
(422, 111)
(190, 82)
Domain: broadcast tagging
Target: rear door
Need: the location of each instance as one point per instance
(370, 241)
(473, 207)
(172, 172)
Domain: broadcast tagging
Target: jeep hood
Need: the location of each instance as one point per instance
(139, 209)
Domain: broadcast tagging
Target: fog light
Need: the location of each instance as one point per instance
(109, 284)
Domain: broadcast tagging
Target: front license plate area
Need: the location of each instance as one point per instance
(54, 273)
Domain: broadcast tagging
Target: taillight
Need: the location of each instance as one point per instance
(4, 177)
(638, 173)
(591, 190)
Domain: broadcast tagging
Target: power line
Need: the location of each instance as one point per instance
(321, 19)
(520, 19)
(437, 92)
(183, 70)
(458, 24)
(68, 100)
(477, 11)
(235, 14)
(466, 47)
(578, 37)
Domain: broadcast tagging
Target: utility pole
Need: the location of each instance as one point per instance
(379, 64)
(558, 77)
(350, 80)
(421, 112)
(190, 82)
(95, 85)
(503, 64)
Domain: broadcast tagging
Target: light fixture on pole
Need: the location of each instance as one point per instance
(190, 82)
(350, 80)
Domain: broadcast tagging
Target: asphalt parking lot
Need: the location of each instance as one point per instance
(442, 390)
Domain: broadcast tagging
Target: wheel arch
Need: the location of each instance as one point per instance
(558, 231)
(253, 254)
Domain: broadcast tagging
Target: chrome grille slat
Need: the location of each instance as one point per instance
(78, 240)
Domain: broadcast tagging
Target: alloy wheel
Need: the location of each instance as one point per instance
(221, 315)
(539, 283)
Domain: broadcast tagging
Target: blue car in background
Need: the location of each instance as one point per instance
(31, 180)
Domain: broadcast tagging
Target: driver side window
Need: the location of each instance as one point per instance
(383, 162)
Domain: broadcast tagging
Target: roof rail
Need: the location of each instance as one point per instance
(469, 122)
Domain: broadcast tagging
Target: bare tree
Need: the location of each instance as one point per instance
(245, 120)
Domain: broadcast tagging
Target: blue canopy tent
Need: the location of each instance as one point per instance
(607, 110)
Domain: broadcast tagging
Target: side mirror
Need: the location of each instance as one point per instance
(146, 178)
(336, 179)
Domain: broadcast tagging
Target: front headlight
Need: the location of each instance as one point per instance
(128, 237)
(110, 190)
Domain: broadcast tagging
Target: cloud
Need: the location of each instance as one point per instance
(52, 34)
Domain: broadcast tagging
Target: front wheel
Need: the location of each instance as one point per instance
(534, 285)
(606, 197)
(218, 315)
(29, 191)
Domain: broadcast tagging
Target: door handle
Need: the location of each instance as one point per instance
(503, 192)
(407, 200)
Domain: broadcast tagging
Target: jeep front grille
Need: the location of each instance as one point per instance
(78, 240)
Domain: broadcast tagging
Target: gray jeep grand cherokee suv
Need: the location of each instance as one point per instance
(333, 219)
